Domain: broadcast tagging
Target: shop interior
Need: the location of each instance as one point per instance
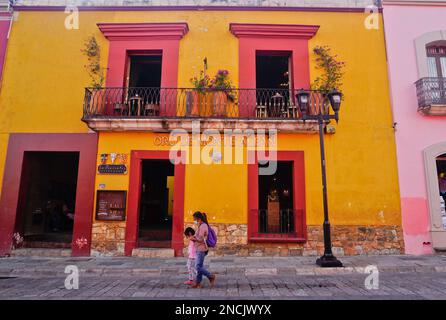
(156, 205)
(46, 207)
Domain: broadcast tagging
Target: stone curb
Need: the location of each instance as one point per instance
(235, 271)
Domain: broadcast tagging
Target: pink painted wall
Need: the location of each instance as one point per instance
(4, 29)
(415, 132)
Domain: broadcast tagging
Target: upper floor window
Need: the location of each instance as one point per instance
(436, 61)
(431, 59)
(144, 70)
(273, 82)
(273, 70)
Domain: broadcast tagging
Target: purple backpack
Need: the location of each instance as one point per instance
(211, 240)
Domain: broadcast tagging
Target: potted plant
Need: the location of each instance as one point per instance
(332, 74)
(223, 95)
(196, 97)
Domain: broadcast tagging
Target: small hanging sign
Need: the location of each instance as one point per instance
(118, 168)
(112, 169)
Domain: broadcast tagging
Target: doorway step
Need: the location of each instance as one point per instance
(46, 245)
(143, 243)
(153, 253)
(156, 234)
(39, 252)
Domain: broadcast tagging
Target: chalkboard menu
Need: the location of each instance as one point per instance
(111, 205)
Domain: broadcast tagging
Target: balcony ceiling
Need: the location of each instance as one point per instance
(169, 124)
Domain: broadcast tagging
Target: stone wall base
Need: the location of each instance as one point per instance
(108, 239)
(346, 240)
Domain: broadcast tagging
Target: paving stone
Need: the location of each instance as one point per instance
(260, 271)
(305, 271)
(286, 271)
(147, 272)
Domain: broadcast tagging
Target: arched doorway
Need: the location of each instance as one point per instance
(435, 166)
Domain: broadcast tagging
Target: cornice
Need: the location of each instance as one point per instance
(273, 30)
(143, 31)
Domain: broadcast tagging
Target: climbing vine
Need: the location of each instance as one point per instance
(92, 51)
(332, 70)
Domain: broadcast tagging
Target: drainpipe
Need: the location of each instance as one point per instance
(394, 122)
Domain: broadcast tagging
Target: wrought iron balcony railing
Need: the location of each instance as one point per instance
(431, 93)
(276, 225)
(283, 225)
(117, 103)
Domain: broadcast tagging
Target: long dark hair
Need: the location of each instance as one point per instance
(189, 232)
(202, 216)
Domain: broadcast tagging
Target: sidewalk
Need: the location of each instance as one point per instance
(230, 266)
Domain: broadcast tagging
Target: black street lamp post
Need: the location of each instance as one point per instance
(303, 100)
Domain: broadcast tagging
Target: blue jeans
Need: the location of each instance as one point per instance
(201, 271)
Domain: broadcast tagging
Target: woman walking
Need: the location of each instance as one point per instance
(201, 249)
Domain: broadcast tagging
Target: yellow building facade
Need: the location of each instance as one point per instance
(43, 100)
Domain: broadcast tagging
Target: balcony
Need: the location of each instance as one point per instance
(165, 109)
(431, 93)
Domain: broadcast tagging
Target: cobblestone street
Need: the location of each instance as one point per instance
(400, 277)
(392, 286)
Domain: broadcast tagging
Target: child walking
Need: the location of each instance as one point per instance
(191, 268)
(202, 249)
